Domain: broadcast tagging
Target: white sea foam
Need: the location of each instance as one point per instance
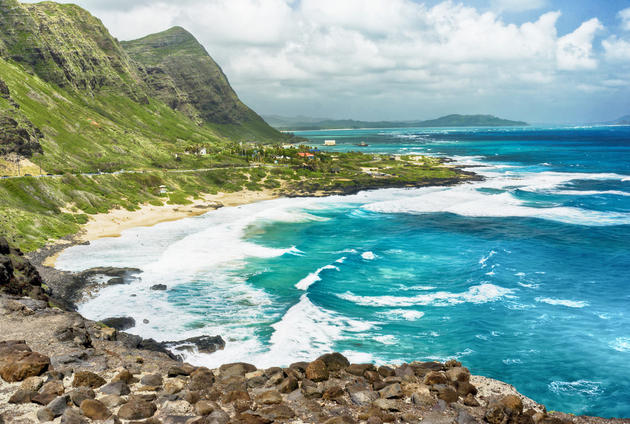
(582, 387)
(484, 259)
(563, 302)
(468, 200)
(368, 256)
(386, 340)
(313, 277)
(621, 344)
(404, 314)
(476, 294)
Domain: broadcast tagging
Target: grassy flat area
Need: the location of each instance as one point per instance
(35, 211)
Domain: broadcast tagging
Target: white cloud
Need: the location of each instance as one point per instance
(575, 50)
(360, 55)
(616, 49)
(624, 15)
(518, 5)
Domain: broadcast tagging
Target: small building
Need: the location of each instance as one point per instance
(330, 142)
(306, 155)
(288, 146)
(163, 189)
(203, 151)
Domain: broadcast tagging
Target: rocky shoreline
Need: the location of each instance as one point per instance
(56, 366)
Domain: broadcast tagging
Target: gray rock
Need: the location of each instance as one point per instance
(118, 388)
(45, 415)
(115, 281)
(159, 287)
(386, 404)
(393, 391)
(364, 397)
(73, 416)
(120, 323)
(153, 380)
(78, 395)
(58, 406)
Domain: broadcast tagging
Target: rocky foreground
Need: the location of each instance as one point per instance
(56, 366)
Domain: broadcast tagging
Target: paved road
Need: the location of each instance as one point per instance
(174, 171)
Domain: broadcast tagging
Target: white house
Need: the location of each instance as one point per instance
(330, 142)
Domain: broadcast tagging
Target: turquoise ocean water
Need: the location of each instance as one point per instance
(524, 277)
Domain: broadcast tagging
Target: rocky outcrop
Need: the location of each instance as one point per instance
(17, 133)
(17, 275)
(67, 46)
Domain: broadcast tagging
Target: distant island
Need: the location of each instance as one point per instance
(302, 123)
(624, 120)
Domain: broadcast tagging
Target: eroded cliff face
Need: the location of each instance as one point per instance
(181, 72)
(66, 45)
(17, 133)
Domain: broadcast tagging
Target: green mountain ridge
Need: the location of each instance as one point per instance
(75, 99)
(305, 124)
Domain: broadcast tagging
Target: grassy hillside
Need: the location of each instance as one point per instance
(181, 73)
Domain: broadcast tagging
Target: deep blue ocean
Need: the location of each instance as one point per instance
(524, 277)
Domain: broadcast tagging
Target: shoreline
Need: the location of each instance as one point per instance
(114, 222)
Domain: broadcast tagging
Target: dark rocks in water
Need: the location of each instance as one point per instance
(159, 287)
(203, 344)
(120, 323)
(115, 281)
(335, 361)
(110, 271)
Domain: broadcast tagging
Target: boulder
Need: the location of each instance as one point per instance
(125, 376)
(513, 404)
(363, 397)
(59, 405)
(334, 361)
(201, 379)
(18, 362)
(269, 397)
(386, 404)
(73, 416)
(87, 379)
(359, 369)
(385, 371)
(317, 371)
(204, 407)
(159, 287)
(435, 377)
(120, 323)
(202, 344)
(152, 380)
(21, 397)
(45, 415)
(393, 391)
(95, 409)
(458, 374)
(446, 393)
(277, 413)
(80, 394)
(137, 410)
(112, 401)
(288, 385)
(118, 388)
(235, 369)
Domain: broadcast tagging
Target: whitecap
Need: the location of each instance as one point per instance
(313, 277)
(563, 302)
(386, 340)
(405, 314)
(476, 294)
(368, 256)
(621, 344)
(582, 387)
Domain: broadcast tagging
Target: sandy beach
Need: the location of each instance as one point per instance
(113, 223)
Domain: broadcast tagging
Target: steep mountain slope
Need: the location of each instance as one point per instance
(181, 73)
(73, 100)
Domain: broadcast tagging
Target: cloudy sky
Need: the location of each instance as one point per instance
(537, 60)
